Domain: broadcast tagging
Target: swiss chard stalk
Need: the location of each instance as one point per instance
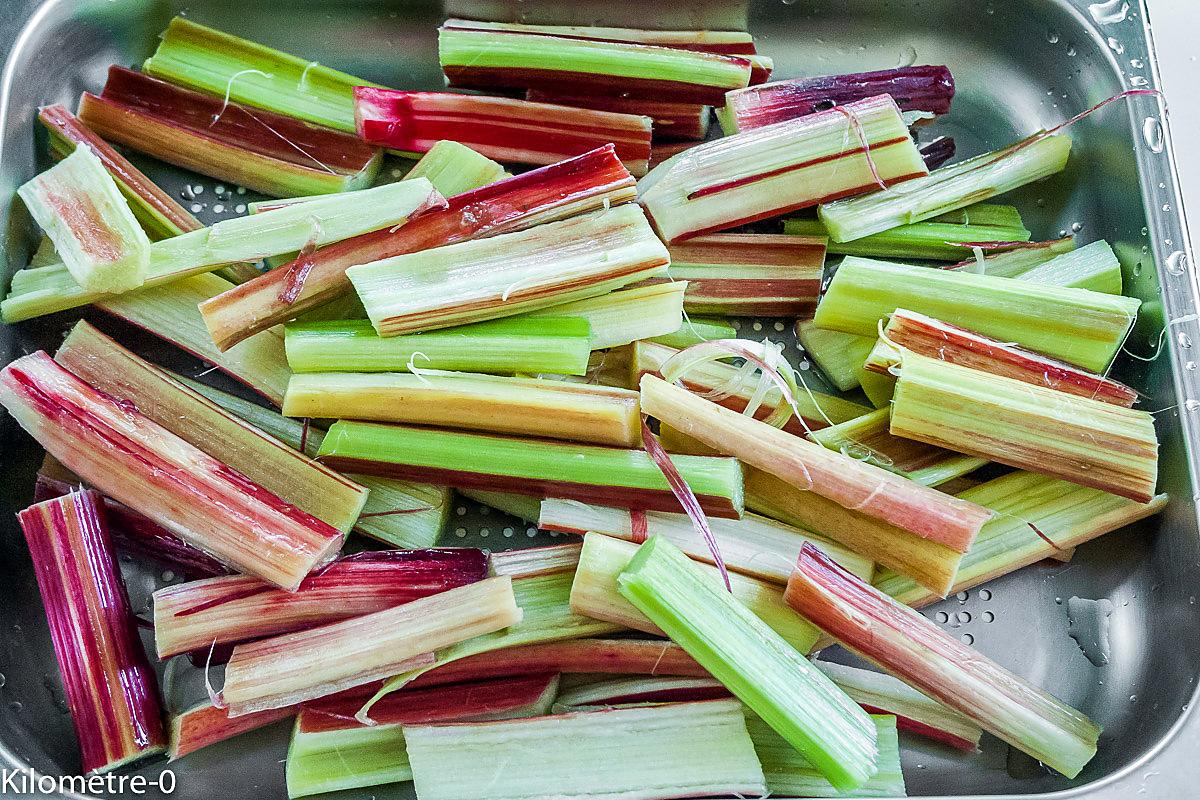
(506, 129)
(1093, 266)
(78, 205)
(625, 690)
(1081, 327)
(261, 150)
(1013, 263)
(695, 330)
(702, 749)
(777, 683)
(530, 562)
(624, 316)
(779, 168)
(539, 468)
(585, 183)
(838, 355)
(922, 655)
(110, 688)
(126, 455)
(670, 120)
(704, 41)
(750, 274)
(454, 168)
(941, 241)
(1085, 441)
(525, 270)
(238, 608)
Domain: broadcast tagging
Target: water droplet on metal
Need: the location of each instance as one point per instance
(1152, 134)
(1138, 80)
(1177, 263)
(1133, 698)
(1115, 44)
(1109, 12)
(908, 56)
(1076, 226)
(1052, 37)
(1071, 52)
(1183, 339)
(1136, 63)
(1137, 269)
(1166, 207)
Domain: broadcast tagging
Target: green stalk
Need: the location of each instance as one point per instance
(695, 330)
(1014, 263)
(1081, 327)
(1094, 266)
(330, 761)
(946, 189)
(516, 344)
(838, 355)
(939, 241)
(619, 318)
(778, 684)
(454, 168)
(991, 214)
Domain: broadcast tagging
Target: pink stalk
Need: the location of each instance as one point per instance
(674, 121)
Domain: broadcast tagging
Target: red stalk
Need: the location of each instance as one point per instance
(687, 121)
(205, 724)
(937, 152)
(584, 183)
(110, 688)
(501, 128)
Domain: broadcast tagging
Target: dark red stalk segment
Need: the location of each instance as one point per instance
(257, 131)
(111, 690)
(923, 88)
(688, 121)
(458, 702)
(936, 339)
(937, 152)
(926, 731)
(240, 608)
(574, 83)
(502, 128)
(635, 36)
(621, 496)
(579, 184)
(138, 535)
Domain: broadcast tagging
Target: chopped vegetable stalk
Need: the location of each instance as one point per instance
(779, 168)
(759, 667)
(924, 88)
(1027, 426)
(78, 205)
(1094, 266)
(595, 593)
(480, 59)
(750, 274)
(529, 562)
(695, 330)
(946, 189)
(124, 454)
(454, 168)
(270, 153)
(1013, 263)
(516, 344)
(849, 483)
(705, 41)
(985, 214)
(700, 749)
(400, 513)
(291, 476)
(676, 121)
(520, 406)
(518, 505)
(247, 72)
(331, 751)
(868, 438)
(753, 545)
(204, 724)
(132, 533)
(1078, 326)
(529, 466)
(476, 280)
(919, 653)
(838, 355)
(295, 667)
(324, 220)
(913, 711)
(1036, 517)
(590, 656)
(624, 316)
(626, 691)
(109, 685)
(169, 312)
(937, 152)
(942, 241)
(926, 336)
(238, 608)
(503, 128)
(817, 410)
(593, 180)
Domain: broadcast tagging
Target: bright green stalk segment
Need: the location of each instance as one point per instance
(522, 460)
(795, 698)
(695, 330)
(983, 214)
(400, 513)
(1066, 513)
(932, 240)
(698, 749)
(878, 388)
(454, 168)
(331, 218)
(839, 356)
(247, 72)
(1014, 263)
(545, 601)
(626, 315)
(505, 346)
(946, 189)
(1080, 327)
(790, 774)
(1094, 266)
(329, 761)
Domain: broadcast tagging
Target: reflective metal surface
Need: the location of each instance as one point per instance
(1020, 64)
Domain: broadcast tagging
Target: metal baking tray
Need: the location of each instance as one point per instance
(1019, 64)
